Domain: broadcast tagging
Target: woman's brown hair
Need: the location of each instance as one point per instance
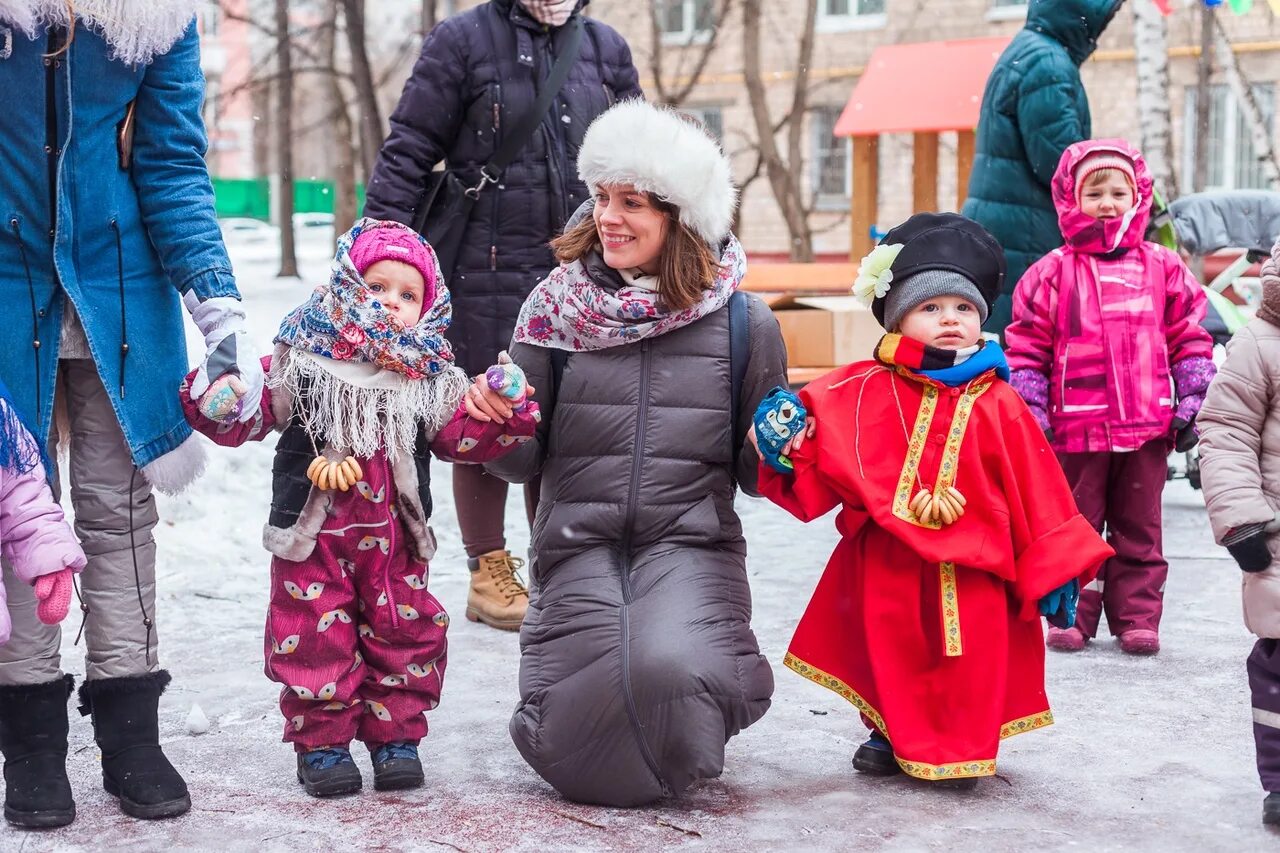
(686, 264)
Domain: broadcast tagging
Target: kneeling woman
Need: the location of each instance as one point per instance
(639, 662)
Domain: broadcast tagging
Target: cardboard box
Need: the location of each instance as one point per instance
(825, 331)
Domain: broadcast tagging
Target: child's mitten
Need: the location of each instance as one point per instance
(1059, 606)
(225, 399)
(1033, 387)
(778, 419)
(54, 594)
(1247, 545)
(507, 379)
(1191, 379)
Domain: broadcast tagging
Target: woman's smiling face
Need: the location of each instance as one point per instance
(632, 230)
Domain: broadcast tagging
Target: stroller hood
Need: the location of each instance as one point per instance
(1238, 219)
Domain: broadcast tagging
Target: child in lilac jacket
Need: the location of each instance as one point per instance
(1107, 350)
(363, 389)
(35, 540)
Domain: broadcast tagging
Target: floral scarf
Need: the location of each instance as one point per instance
(359, 380)
(344, 321)
(568, 310)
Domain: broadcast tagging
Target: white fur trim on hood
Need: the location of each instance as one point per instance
(660, 152)
(137, 30)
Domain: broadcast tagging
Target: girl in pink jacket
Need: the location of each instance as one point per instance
(35, 540)
(1107, 349)
(363, 389)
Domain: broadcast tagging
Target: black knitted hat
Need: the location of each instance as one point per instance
(945, 241)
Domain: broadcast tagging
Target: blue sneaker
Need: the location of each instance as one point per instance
(875, 757)
(329, 772)
(396, 766)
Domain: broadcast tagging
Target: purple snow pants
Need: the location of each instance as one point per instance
(1264, 684)
(1120, 492)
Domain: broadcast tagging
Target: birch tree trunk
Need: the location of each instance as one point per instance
(344, 169)
(371, 130)
(284, 140)
(786, 177)
(1150, 42)
(1259, 133)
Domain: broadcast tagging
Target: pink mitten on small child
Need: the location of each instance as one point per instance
(54, 592)
(222, 402)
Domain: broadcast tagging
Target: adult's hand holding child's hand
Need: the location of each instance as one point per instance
(488, 403)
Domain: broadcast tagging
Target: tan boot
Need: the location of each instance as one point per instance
(496, 597)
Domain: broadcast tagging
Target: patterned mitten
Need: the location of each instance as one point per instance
(54, 594)
(507, 379)
(1059, 606)
(1033, 387)
(778, 417)
(1191, 379)
(224, 399)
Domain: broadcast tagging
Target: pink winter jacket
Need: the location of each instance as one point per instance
(35, 538)
(1240, 458)
(1106, 326)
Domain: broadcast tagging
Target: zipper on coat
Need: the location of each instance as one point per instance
(633, 496)
(35, 321)
(51, 151)
(124, 327)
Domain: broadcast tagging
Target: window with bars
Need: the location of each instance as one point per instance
(710, 117)
(841, 15)
(1231, 160)
(682, 21)
(830, 166)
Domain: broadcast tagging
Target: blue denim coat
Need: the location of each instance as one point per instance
(125, 243)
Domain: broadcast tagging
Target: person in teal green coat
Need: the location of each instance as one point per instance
(1034, 106)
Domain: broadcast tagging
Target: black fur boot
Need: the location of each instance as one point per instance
(125, 725)
(33, 738)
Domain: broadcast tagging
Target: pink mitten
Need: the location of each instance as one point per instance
(221, 402)
(54, 592)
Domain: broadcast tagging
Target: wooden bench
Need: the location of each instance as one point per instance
(774, 282)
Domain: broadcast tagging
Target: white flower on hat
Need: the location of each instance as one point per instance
(874, 274)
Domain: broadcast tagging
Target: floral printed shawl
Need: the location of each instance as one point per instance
(568, 310)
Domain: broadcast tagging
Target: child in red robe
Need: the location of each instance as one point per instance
(958, 527)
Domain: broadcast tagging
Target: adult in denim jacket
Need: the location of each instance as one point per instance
(108, 232)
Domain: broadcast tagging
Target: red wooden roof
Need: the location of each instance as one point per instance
(929, 86)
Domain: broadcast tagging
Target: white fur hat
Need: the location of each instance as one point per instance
(661, 152)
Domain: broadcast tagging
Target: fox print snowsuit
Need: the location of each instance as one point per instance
(354, 636)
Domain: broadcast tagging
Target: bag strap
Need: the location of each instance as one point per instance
(739, 354)
(568, 41)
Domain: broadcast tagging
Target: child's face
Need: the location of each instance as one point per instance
(945, 322)
(399, 288)
(1108, 198)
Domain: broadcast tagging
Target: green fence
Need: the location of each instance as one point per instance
(251, 197)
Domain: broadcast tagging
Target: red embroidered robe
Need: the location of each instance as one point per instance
(931, 631)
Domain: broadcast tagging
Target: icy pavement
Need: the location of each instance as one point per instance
(1147, 754)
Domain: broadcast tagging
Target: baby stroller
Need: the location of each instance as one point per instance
(1202, 224)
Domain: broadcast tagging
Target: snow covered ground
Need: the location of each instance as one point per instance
(1147, 754)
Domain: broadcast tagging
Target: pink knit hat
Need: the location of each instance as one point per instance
(392, 241)
(1105, 159)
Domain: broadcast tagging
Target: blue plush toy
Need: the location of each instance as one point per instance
(1059, 606)
(777, 420)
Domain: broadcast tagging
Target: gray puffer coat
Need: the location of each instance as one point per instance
(639, 662)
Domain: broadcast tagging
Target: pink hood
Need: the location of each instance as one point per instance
(1095, 236)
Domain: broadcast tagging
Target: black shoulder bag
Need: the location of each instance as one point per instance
(446, 207)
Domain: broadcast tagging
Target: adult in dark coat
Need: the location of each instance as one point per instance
(1034, 106)
(638, 661)
(478, 73)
